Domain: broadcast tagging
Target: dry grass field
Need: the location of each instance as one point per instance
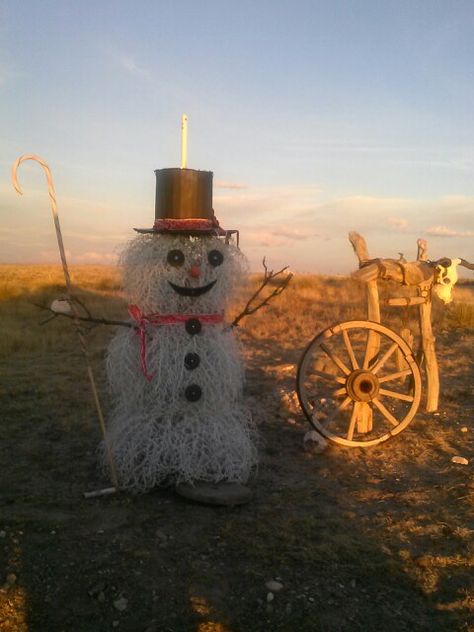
(381, 538)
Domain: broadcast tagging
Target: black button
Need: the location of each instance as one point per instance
(191, 361)
(193, 392)
(193, 326)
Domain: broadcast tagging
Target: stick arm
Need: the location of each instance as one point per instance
(256, 302)
(87, 319)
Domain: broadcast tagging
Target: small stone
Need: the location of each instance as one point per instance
(121, 604)
(311, 599)
(115, 624)
(95, 590)
(353, 583)
(11, 579)
(61, 306)
(314, 442)
(291, 421)
(274, 586)
(3, 534)
(464, 429)
(460, 460)
(270, 597)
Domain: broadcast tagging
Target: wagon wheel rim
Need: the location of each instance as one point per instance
(362, 383)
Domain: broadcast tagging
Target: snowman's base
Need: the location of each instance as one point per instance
(227, 494)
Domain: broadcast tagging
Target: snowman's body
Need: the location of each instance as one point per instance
(176, 379)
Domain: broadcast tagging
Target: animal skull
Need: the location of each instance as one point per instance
(445, 279)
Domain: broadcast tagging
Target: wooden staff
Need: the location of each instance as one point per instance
(69, 295)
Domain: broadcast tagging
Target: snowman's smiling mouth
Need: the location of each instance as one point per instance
(192, 291)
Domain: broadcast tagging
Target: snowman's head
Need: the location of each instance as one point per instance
(178, 273)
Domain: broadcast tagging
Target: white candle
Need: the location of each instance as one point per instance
(184, 141)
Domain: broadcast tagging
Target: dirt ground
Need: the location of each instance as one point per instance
(381, 538)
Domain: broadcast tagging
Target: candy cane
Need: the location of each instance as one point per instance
(69, 293)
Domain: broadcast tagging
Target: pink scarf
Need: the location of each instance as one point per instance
(144, 320)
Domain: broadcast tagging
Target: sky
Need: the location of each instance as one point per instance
(317, 118)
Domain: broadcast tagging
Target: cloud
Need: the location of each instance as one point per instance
(444, 231)
(52, 256)
(95, 257)
(278, 235)
(128, 63)
(293, 234)
(398, 222)
(279, 202)
(229, 185)
(103, 237)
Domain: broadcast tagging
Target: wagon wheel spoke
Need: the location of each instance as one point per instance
(339, 392)
(343, 405)
(371, 349)
(384, 358)
(386, 413)
(350, 431)
(350, 350)
(394, 376)
(387, 393)
(335, 358)
(329, 376)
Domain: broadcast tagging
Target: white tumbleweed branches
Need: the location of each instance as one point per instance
(157, 434)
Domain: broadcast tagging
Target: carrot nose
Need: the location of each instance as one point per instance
(195, 272)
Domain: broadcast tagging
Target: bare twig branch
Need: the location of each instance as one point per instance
(47, 320)
(87, 319)
(256, 301)
(82, 304)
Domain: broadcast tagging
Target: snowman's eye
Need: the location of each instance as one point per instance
(215, 258)
(175, 258)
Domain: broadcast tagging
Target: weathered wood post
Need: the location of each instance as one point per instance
(427, 337)
(373, 303)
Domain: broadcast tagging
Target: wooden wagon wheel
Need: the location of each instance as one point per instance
(353, 395)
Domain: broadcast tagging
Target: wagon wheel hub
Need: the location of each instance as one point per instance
(362, 386)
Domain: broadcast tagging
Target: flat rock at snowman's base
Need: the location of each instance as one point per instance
(227, 494)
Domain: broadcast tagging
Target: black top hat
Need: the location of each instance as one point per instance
(183, 203)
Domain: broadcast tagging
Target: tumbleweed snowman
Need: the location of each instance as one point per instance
(176, 380)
